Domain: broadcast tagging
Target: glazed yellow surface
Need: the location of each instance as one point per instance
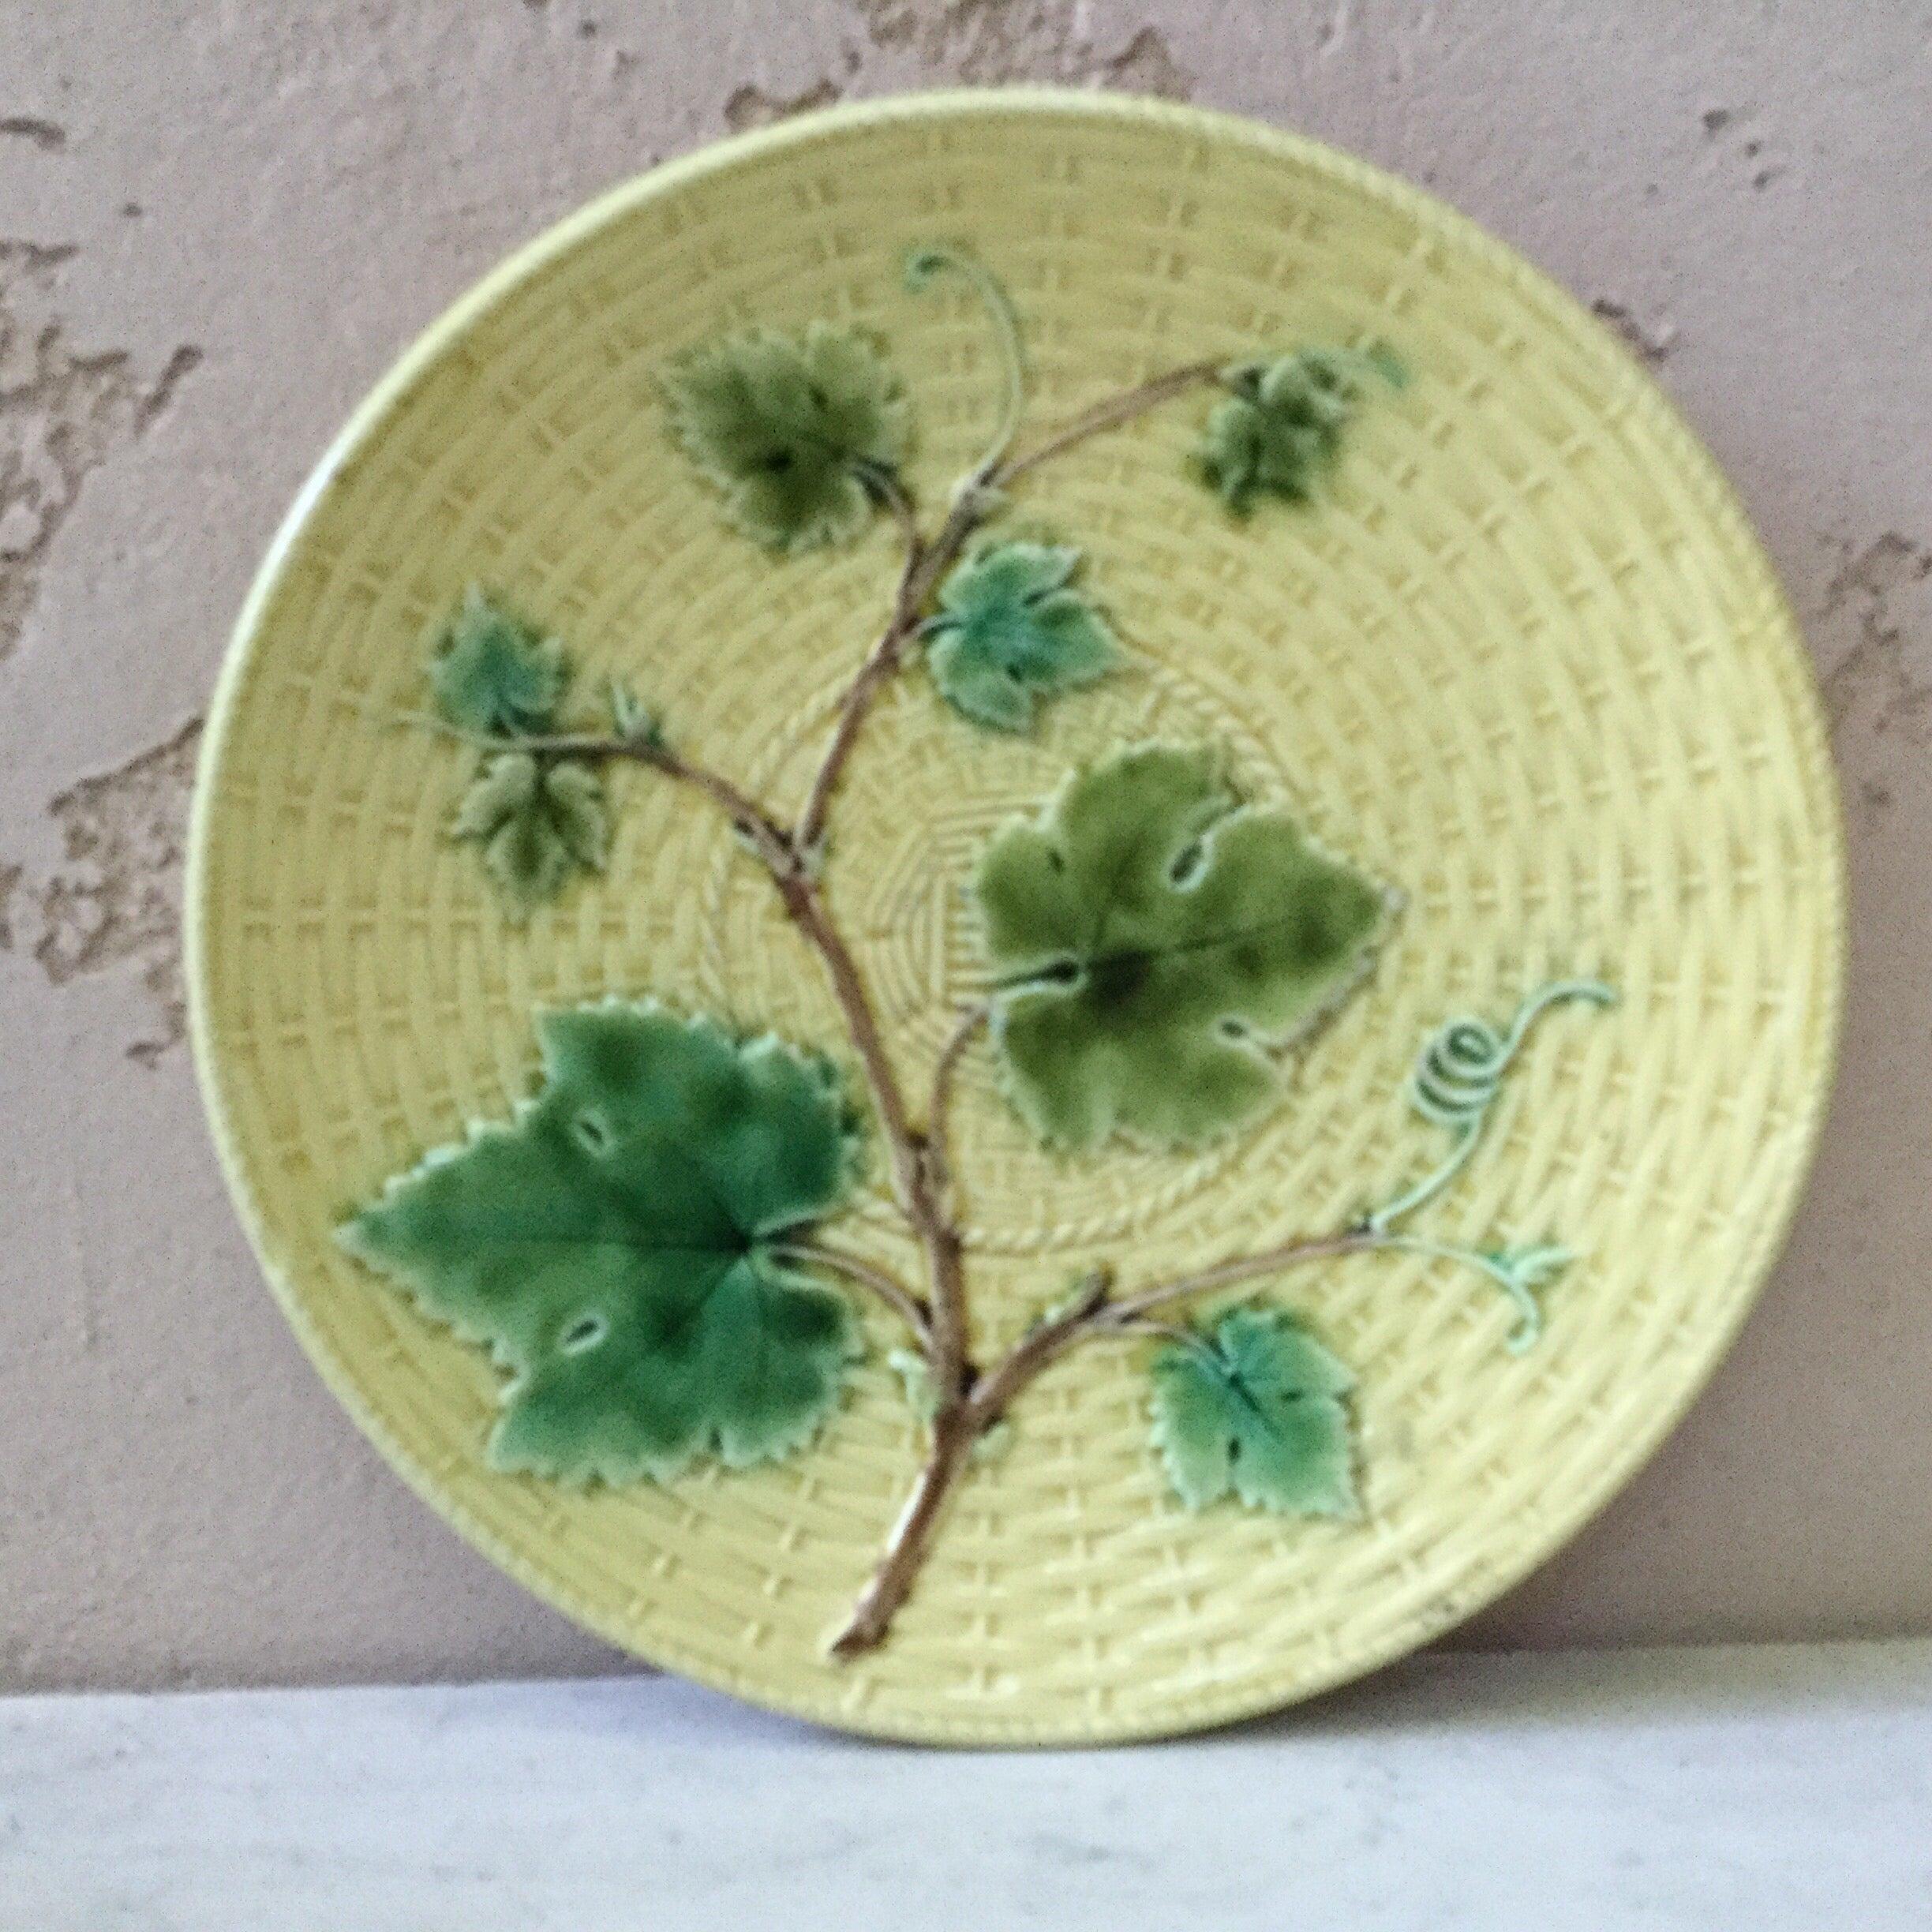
(1526, 662)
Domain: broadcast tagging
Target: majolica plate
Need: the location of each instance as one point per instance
(1016, 918)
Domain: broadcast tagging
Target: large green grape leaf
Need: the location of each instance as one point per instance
(618, 1246)
(796, 431)
(1151, 937)
(1258, 1409)
(1009, 630)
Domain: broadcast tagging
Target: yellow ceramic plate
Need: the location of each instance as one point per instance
(1526, 660)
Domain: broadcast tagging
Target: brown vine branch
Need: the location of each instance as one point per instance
(917, 1197)
(1044, 1344)
(967, 1403)
(1232, 1273)
(956, 1428)
(1098, 1312)
(926, 561)
(1148, 1326)
(1091, 1313)
(939, 1109)
(1103, 416)
(909, 1307)
(953, 1437)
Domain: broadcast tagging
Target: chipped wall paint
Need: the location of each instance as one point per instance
(113, 899)
(1650, 342)
(217, 228)
(989, 42)
(64, 410)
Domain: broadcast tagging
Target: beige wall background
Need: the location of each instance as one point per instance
(219, 223)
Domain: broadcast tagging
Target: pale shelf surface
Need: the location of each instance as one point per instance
(1767, 1789)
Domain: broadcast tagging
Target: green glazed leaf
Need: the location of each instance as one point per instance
(1258, 1409)
(618, 1247)
(915, 1374)
(796, 431)
(631, 718)
(1280, 430)
(538, 821)
(494, 675)
(1151, 937)
(1010, 630)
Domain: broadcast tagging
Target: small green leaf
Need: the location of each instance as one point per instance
(631, 718)
(1008, 630)
(1151, 937)
(1259, 1409)
(618, 1246)
(915, 1376)
(796, 431)
(538, 822)
(1279, 431)
(494, 675)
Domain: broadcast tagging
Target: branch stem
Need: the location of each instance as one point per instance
(952, 1440)
(939, 1109)
(926, 561)
(1091, 1313)
(968, 1402)
(1039, 1346)
(1232, 1273)
(1103, 416)
(912, 1182)
(957, 1427)
(908, 1307)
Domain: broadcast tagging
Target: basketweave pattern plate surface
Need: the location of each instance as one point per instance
(1527, 662)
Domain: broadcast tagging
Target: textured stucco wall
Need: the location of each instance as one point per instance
(219, 223)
